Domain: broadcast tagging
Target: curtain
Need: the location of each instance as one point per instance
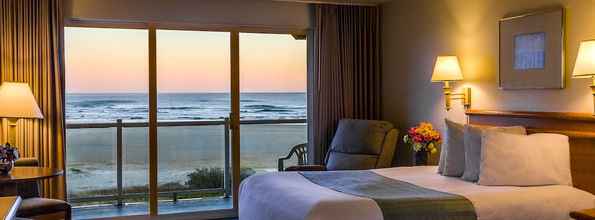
(31, 45)
(347, 69)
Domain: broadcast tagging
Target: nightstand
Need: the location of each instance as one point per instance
(587, 214)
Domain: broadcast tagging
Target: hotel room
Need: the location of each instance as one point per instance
(297, 109)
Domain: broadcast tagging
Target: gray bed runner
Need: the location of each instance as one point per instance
(397, 199)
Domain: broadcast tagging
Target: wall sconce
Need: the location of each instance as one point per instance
(447, 70)
(584, 67)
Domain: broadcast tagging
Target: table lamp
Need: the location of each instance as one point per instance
(447, 70)
(16, 102)
(584, 67)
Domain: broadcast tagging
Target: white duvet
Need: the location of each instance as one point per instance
(289, 196)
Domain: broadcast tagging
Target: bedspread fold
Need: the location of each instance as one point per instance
(397, 199)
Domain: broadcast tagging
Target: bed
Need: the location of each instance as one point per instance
(294, 195)
(296, 198)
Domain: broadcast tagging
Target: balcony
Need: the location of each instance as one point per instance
(107, 165)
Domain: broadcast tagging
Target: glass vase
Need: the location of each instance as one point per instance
(421, 158)
(6, 166)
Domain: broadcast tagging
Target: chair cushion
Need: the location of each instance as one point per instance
(28, 189)
(360, 136)
(40, 206)
(347, 161)
(385, 159)
(357, 144)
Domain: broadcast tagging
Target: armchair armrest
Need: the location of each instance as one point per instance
(306, 168)
(27, 162)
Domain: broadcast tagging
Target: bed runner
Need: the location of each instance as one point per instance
(397, 199)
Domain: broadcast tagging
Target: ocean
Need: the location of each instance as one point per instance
(182, 106)
(91, 151)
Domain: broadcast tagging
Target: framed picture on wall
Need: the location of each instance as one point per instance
(532, 51)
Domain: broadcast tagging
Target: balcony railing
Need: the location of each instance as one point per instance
(120, 195)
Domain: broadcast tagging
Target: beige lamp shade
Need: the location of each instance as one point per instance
(447, 69)
(584, 67)
(17, 101)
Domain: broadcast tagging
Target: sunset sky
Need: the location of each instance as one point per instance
(116, 60)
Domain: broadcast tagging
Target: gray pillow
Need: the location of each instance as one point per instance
(442, 157)
(454, 159)
(472, 140)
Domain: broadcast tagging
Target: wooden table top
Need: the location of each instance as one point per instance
(587, 214)
(26, 174)
(9, 206)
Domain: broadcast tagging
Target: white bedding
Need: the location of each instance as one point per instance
(289, 196)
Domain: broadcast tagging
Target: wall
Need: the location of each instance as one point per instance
(258, 13)
(415, 32)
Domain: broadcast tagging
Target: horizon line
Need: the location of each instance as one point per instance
(183, 92)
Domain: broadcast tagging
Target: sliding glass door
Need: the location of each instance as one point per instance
(273, 99)
(106, 121)
(163, 121)
(193, 104)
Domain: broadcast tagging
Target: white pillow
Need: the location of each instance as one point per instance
(524, 160)
(472, 143)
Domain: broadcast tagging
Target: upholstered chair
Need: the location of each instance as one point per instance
(358, 145)
(33, 206)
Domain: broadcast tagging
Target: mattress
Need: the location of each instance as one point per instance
(288, 195)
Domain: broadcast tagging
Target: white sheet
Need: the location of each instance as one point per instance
(289, 196)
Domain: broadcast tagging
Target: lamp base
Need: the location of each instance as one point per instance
(12, 131)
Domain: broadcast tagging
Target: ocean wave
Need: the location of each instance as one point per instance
(94, 108)
(99, 103)
(273, 110)
(268, 109)
(180, 108)
(259, 106)
(192, 118)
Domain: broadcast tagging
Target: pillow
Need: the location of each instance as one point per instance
(442, 158)
(443, 149)
(472, 142)
(454, 157)
(524, 160)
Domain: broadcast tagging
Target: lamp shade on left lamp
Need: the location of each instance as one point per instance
(16, 102)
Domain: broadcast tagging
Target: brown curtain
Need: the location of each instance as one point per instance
(347, 69)
(31, 42)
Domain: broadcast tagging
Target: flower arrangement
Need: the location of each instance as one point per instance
(423, 138)
(8, 155)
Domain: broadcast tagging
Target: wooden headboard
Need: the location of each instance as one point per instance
(579, 127)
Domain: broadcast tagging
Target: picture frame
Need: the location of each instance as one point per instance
(532, 51)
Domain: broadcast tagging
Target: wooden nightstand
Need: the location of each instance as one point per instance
(587, 214)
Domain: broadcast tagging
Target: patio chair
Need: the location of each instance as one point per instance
(300, 151)
(357, 145)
